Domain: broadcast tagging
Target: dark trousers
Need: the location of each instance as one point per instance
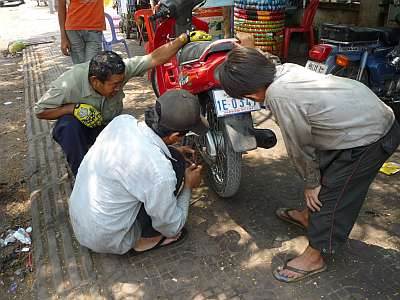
(144, 219)
(345, 178)
(75, 139)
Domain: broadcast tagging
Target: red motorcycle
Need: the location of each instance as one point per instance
(195, 68)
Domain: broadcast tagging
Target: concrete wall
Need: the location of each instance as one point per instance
(335, 16)
(369, 13)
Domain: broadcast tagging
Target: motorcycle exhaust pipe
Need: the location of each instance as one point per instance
(265, 138)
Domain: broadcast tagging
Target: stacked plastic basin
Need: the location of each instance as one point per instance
(264, 19)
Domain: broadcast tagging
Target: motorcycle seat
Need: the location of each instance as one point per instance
(346, 33)
(390, 36)
(194, 51)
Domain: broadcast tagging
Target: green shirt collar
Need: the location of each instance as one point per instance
(87, 89)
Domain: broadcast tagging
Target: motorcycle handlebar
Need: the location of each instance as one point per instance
(163, 13)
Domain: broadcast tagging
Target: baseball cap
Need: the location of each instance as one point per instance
(180, 111)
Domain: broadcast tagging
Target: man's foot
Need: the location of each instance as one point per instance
(307, 264)
(147, 244)
(293, 216)
(144, 244)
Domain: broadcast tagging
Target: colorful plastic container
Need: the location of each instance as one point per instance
(265, 19)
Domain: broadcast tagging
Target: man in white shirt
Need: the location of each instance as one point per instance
(125, 194)
(338, 134)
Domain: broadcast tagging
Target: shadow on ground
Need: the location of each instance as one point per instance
(235, 243)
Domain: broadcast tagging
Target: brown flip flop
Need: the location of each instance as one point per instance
(303, 274)
(282, 213)
(182, 238)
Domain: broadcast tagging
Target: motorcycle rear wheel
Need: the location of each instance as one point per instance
(225, 172)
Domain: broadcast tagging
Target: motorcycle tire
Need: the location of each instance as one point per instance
(154, 83)
(225, 173)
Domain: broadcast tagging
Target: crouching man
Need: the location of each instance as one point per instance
(88, 96)
(126, 190)
(338, 134)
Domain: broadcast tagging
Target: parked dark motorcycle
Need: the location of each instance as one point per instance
(195, 68)
(369, 55)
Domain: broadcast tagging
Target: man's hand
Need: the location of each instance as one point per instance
(311, 197)
(62, 16)
(193, 176)
(245, 39)
(188, 153)
(88, 115)
(185, 150)
(65, 45)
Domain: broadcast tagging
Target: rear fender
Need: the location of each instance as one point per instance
(239, 128)
(353, 56)
(331, 60)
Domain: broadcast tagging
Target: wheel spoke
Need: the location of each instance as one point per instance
(217, 168)
(224, 169)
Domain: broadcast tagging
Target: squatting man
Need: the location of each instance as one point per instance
(128, 193)
(88, 96)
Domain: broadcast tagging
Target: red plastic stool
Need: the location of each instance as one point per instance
(305, 27)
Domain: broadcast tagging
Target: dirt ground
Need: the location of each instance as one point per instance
(231, 237)
(14, 198)
(266, 173)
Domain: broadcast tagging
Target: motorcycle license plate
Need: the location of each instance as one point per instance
(225, 105)
(316, 67)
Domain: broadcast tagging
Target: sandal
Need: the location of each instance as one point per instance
(283, 214)
(182, 238)
(303, 274)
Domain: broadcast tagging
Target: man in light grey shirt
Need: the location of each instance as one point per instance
(125, 193)
(338, 134)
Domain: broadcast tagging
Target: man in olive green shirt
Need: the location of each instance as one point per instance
(89, 95)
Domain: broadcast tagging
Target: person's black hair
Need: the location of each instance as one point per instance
(105, 64)
(245, 71)
(151, 118)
